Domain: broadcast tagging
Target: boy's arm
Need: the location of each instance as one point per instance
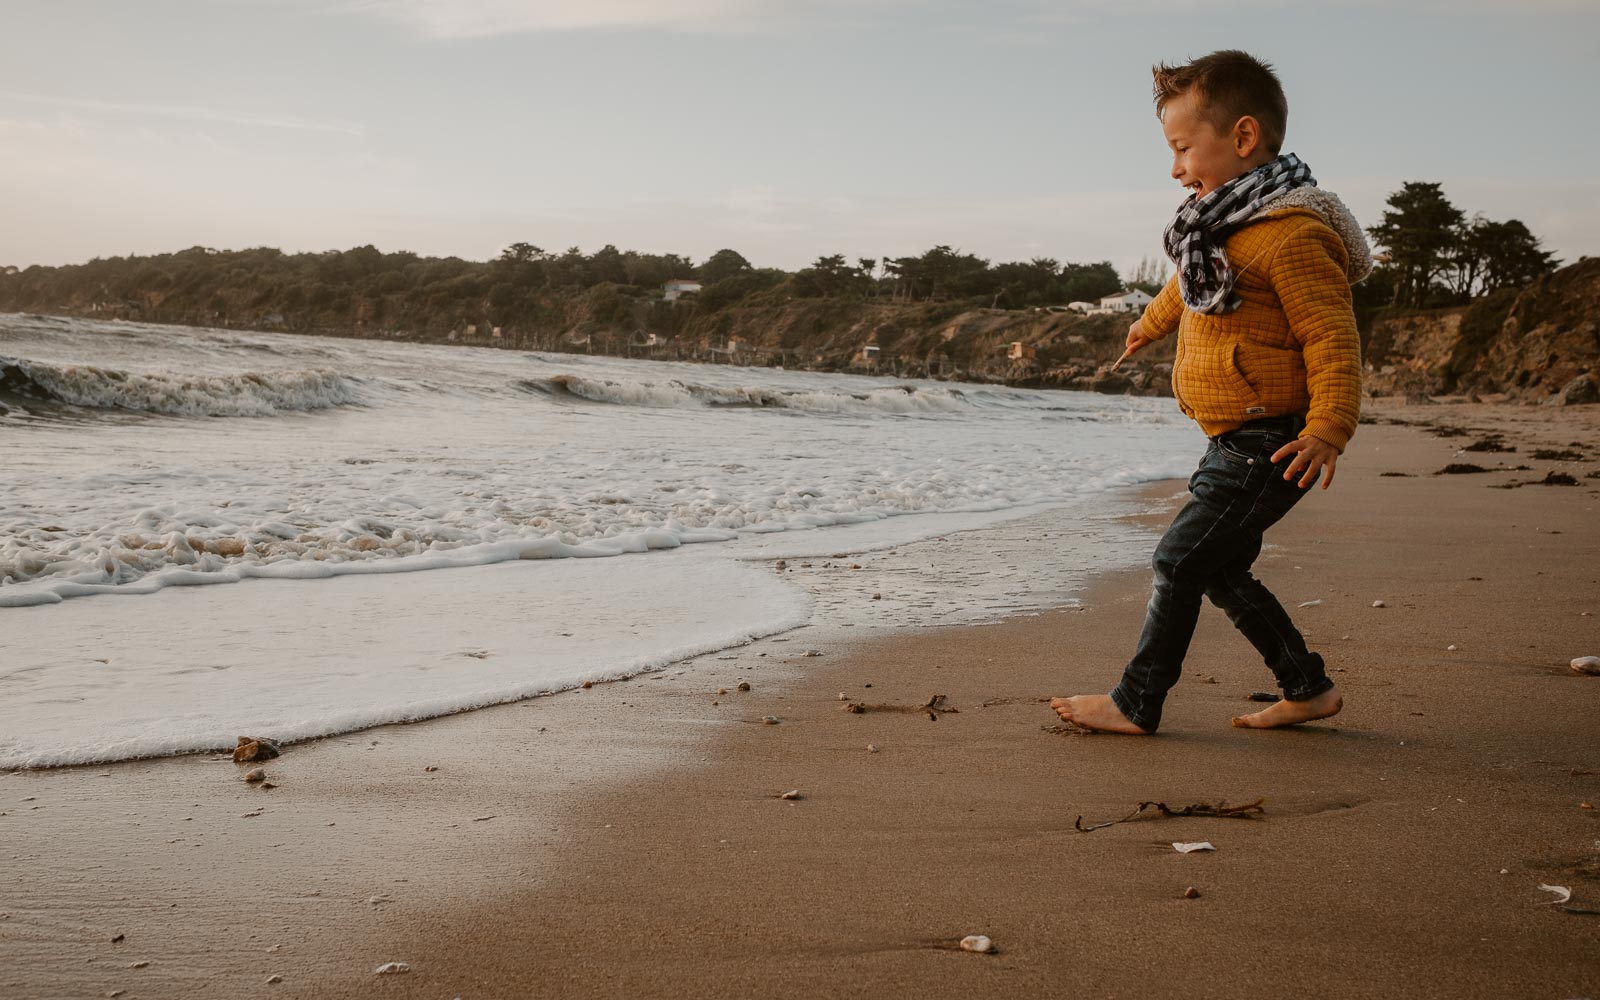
(1308, 273)
(1161, 316)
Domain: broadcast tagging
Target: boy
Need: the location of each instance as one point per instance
(1269, 365)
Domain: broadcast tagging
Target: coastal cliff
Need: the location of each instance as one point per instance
(1536, 344)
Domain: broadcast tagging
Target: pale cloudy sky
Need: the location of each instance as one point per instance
(782, 128)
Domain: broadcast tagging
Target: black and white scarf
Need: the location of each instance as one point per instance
(1195, 236)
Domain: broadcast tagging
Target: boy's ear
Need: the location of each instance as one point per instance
(1246, 136)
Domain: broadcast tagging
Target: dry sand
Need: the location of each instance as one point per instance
(627, 841)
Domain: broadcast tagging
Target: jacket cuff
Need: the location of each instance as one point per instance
(1328, 432)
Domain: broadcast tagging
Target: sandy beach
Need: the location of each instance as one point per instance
(629, 840)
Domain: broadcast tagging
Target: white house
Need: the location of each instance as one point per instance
(677, 287)
(1131, 300)
(1081, 307)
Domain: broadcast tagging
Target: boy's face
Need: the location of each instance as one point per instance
(1202, 159)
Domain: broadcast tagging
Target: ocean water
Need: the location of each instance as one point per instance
(207, 532)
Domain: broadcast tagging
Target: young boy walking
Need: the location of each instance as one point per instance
(1269, 366)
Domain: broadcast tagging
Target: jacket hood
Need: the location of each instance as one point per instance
(1326, 205)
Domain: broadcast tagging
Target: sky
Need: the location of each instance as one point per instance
(784, 129)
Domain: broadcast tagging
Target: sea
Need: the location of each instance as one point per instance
(205, 532)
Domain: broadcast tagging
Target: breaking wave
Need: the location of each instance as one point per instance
(673, 393)
(27, 385)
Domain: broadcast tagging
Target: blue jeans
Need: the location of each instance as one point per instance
(1234, 496)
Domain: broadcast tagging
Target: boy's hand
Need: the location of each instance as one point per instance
(1312, 455)
(1136, 338)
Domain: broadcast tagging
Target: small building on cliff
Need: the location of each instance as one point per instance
(678, 287)
(1127, 301)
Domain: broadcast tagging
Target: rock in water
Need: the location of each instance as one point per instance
(391, 969)
(1587, 665)
(252, 748)
(978, 943)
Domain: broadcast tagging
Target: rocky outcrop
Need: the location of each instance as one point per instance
(1550, 342)
(1537, 344)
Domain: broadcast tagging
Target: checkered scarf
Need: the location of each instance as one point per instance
(1195, 236)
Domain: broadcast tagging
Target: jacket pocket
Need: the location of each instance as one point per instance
(1211, 384)
(1276, 374)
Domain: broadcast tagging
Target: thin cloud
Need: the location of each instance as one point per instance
(461, 19)
(186, 113)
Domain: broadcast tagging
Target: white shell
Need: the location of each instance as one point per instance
(1586, 665)
(391, 969)
(1379, 604)
(1190, 848)
(978, 943)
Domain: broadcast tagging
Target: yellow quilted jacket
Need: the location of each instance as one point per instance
(1291, 347)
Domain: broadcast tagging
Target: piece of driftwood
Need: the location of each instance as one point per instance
(933, 708)
(1249, 810)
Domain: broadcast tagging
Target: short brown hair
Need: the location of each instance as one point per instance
(1231, 84)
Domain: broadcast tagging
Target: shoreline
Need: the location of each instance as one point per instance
(525, 869)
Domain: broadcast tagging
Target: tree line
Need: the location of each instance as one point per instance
(524, 285)
(1437, 256)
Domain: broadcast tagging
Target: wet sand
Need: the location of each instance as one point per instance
(628, 841)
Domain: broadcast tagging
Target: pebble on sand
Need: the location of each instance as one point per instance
(978, 943)
(1191, 893)
(1587, 665)
(872, 748)
(1379, 604)
(274, 980)
(1450, 648)
(254, 775)
(792, 795)
(744, 685)
(769, 720)
(391, 969)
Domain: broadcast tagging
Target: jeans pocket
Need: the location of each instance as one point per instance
(1244, 447)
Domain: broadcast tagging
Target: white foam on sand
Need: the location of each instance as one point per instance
(190, 669)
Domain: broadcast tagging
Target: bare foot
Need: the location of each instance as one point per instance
(1292, 713)
(1097, 712)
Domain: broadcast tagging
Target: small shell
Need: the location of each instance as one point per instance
(391, 969)
(1379, 604)
(978, 943)
(1450, 648)
(744, 685)
(1587, 665)
(791, 795)
(769, 720)
(254, 775)
(872, 748)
